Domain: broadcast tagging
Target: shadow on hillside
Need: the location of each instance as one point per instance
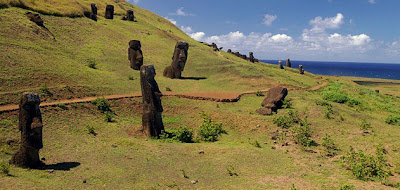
(64, 166)
(193, 78)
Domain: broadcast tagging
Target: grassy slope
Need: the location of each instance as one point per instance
(136, 163)
(33, 58)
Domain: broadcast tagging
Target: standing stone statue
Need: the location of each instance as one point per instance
(215, 47)
(229, 51)
(178, 61)
(288, 63)
(109, 12)
(251, 57)
(280, 64)
(130, 16)
(135, 54)
(30, 126)
(93, 14)
(151, 120)
(301, 69)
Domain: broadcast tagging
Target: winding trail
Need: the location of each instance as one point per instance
(220, 96)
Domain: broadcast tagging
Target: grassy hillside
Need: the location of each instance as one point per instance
(84, 151)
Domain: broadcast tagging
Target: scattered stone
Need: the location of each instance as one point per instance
(280, 65)
(109, 12)
(114, 146)
(258, 126)
(194, 181)
(301, 69)
(30, 126)
(135, 54)
(288, 63)
(174, 71)
(152, 119)
(273, 101)
(130, 15)
(251, 57)
(51, 171)
(201, 152)
(377, 91)
(84, 181)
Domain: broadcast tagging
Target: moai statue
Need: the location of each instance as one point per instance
(30, 126)
(35, 18)
(130, 16)
(244, 57)
(135, 54)
(215, 47)
(238, 54)
(273, 101)
(229, 51)
(301, 69)
(93, 14)
(152, 119)
(174, 71)
(280, 64)
(109, 12)
(288, 63)
(251, 57)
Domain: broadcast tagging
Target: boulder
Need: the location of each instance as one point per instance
(273, 101)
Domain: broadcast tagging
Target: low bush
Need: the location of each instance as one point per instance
(335, 97)
(365, 125)
(329, 145)
(109, 116)
(259, 93)
(209, 131)
(181, 134)
(90, 130)
(393, 120)
(302, 135)
(102, 104)
(365, 166)
(45, 90)
(288, 120)
(328, 112)
(92, 64)
(287, 103)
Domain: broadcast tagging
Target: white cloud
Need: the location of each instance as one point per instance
(372, 1)
(134, 1)
(180, 12)
(268, 19)
(328, 23)
(187, 29)
(197, 36)
(171, 20)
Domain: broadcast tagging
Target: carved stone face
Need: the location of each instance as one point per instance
(31, 120)
(135, 54)
(180, 55)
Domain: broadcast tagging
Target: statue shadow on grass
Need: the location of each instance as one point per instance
(63, 166)
(193, 78)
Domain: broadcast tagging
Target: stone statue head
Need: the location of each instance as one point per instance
(94, 8)
(30, 123)
(135, 54)
(180, 55)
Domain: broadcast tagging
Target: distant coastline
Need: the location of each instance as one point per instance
(354, 69)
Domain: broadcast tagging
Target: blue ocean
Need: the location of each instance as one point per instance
(369, 70)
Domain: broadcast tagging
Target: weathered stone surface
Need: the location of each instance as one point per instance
(215, 47)
(93, 14)
(301, 69)
(109, 12)
(152, 119)
(30, 126)
(288, 63)
(35, 18)
(229, 51)
(251, 57)
(174, 71)
(135, 54)
(130, 16)
(273, 101)
(280, 65)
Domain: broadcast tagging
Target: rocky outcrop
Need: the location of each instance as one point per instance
(273, 101)
(30, 126)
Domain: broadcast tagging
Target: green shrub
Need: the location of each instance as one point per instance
(209, 130)
(231, 171)
(62, 106)
(329, 145)
(181, 134)
(109, 116)
(92, 64)
(393, 120)
(293, 187)
(259, 93)
(287, 103)
(328, 112)
(288, 120)
(45, 90)
(5, 168)
(168, 89)
(322, 103)
(365, 125)
(131, 78)
(347, 187)
(353, 102)
(335, 97)
(91, 130)
(102, 104)
(365, 166)
(302, 135)
(256, 144)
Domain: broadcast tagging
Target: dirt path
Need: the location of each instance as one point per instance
(319, 86)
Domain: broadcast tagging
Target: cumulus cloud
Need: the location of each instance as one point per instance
(269, 19)
(319, 23)
(180, 12)
(171, 20)
(197, 35)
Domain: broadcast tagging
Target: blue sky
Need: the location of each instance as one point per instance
(325, 30)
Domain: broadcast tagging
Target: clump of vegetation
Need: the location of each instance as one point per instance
(62, 106)
(393, 120)
(347, 187)
(5, 168)
(109, 116)
(68, 88)
(328, 112)
(365, 166)
(45, 90)
(168, 89)
(259, 93)
(231, 171)
(365, 125)
(131, 78)
(288, 120)
(256, 144)
(287, 103)
(91, 130)
(303, 133)
(335, 97)
(184, 174)
(182, 134)
(209, 130)
(329, 145)
(102, 104)
(293, 187)
(92, 64)
(6, 149)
